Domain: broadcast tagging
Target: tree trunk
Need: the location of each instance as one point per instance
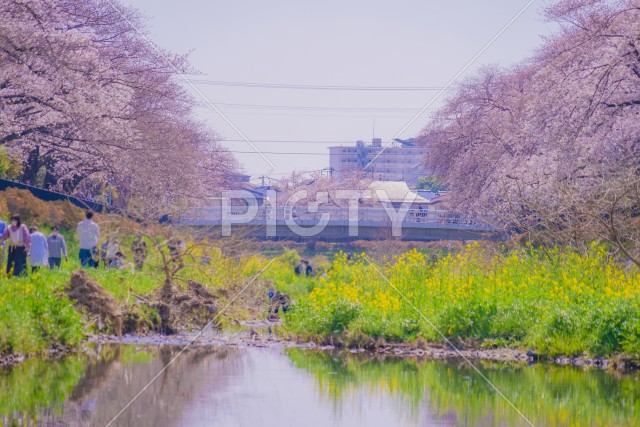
(31, 167)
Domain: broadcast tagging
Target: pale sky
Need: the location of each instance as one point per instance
(417, 43)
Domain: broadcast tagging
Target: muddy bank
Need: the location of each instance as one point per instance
(257, 334)
(434, 351)
(168, 310)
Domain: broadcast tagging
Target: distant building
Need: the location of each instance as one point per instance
(239, 178)
(401, 161)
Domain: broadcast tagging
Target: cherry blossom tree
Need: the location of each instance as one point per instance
(85, 96)
(552, 146)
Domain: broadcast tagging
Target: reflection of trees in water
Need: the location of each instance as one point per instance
(120, 372)
(456, 395)
(96, 371)
(448, 393)
(339, 377)
(36, 384)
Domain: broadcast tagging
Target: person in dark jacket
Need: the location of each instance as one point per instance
(308, 269)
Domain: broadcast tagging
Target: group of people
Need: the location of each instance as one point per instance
(30, 244)
(109, 252)
(27, 244)
(304, 268)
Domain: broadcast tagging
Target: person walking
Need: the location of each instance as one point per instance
(39, 250)
(88, 236)
(19, 242)
(57, 248)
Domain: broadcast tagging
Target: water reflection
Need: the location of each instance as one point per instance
(230, 386)
(36, 385)
(454, 394)
(90, 391)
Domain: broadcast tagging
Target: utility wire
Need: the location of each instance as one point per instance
(344, 114)
(316, 108)
(315, 87)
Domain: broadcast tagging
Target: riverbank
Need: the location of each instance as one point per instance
(521, 304)
(259, 334)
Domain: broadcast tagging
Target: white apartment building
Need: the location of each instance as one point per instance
(401, 161)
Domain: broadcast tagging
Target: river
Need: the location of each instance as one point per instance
(247, 386)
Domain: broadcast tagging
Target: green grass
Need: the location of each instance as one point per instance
(35, 315)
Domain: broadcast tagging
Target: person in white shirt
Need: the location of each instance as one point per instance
(88, 236)
(39, 253)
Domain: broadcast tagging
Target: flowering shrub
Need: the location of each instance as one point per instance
(558, 301)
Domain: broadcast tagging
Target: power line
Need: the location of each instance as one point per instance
(316, 108)
(315, 87)
(350, 114)
(345, 114)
